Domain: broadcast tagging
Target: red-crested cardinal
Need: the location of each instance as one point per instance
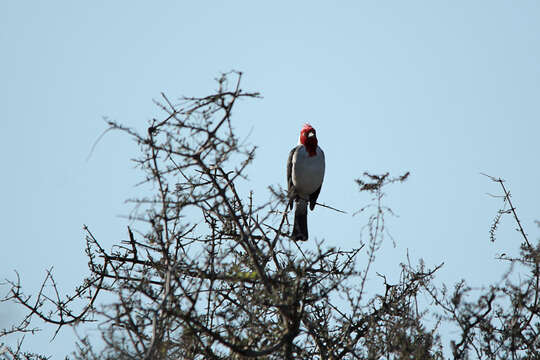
(305, 173)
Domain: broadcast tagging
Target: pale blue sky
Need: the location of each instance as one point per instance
(444, 89)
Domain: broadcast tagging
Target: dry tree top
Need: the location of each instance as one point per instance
(208, 273)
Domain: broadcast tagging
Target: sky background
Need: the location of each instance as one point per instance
(443, 89)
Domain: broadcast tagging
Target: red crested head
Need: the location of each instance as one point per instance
(308, 138)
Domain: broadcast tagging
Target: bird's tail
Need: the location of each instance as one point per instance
(300, 230)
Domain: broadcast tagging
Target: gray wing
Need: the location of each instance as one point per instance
(313, 197)
(291, 191)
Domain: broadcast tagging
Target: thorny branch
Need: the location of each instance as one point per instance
(210, 273)
(501, 322)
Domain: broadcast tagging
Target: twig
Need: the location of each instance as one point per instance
(512, 208)
(304, 255)
(97, 141)
(331, 208)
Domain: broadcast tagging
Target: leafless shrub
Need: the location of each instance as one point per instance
(211, 274)
(502, 320)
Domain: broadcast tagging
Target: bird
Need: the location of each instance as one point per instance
(305, 174)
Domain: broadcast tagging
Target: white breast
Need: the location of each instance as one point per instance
(307, 171)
